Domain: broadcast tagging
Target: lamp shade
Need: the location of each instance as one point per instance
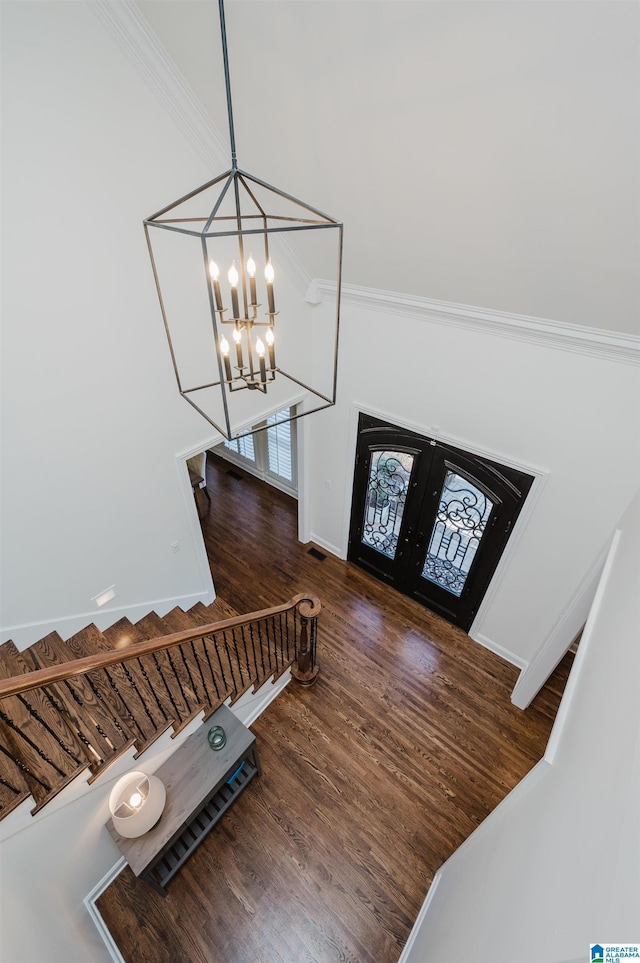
(136, 803)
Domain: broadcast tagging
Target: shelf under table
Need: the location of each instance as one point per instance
(201, 784)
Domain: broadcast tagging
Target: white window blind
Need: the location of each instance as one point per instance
(243, 447)
(279, 452)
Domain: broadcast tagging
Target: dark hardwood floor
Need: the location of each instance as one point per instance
(371, 779)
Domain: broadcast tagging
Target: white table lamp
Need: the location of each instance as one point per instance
(136, 803)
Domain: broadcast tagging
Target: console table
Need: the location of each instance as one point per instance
(201, 784)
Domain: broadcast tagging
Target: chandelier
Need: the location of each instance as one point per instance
(233, 261)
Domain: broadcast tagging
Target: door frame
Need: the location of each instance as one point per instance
(540, 477)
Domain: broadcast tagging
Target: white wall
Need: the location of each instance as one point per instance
(92, 422)
(569, 415)
(555, 867)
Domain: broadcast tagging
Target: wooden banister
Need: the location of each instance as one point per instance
(308, 608)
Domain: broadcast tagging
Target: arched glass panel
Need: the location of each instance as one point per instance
(389, 476)
(460, 523)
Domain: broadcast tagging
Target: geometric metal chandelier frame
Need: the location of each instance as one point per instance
(238, 213)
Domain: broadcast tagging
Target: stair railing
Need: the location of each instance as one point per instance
(60, 720)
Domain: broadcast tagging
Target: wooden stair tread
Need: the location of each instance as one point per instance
(35, 736)
(122, 634)
(9, 799)
(90, 641)
(92, 716)
(135, 701)
(13, 785)
(240, 680)
(12, 663)
(179, 691)
(216, 611)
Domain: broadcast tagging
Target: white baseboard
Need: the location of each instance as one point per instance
(424, 909)
(250, 706)
(67, 625)
(497, 649)
(327, 546)
(90, 901)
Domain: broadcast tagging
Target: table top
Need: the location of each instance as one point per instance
(189, 775)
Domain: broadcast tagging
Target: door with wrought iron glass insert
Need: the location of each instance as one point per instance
(460, 524)
(389, 476)
(430, 519)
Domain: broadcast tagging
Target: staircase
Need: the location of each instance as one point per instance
(75, 706)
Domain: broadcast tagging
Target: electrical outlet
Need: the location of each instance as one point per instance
(175, 547)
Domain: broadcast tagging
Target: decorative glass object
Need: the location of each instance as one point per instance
(217, 737)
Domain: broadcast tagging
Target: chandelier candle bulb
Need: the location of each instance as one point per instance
(251, 271)
(224, 350)
(234, 277)
(215, 274)
(260, 350)
(269, 338)
(269, 274)
(237, 337)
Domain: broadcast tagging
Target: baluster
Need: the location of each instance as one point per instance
(199, 667)
(164, 682)
(284, 657)
(127, 709)
(25, 769)
(246, 654)
(214, 639)
(238, 659)
(255, 671)
(152, 687)
(179, 681)
(272, 645)
(291, 652)
(213, 674)
(185, 662)
(37, 749)
(36, 715)
(264, 671)
(227, 653)
(59, 708)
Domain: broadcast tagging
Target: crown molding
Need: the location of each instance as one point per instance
(576, 338)
(142, 48)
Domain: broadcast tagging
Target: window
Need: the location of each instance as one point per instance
(242, 447)
(279, 447)
(269, 454)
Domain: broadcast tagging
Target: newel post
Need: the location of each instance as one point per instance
(305, 669)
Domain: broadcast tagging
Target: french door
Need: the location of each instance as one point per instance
(429, 519)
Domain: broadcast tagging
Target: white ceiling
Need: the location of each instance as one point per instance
(484, 153)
